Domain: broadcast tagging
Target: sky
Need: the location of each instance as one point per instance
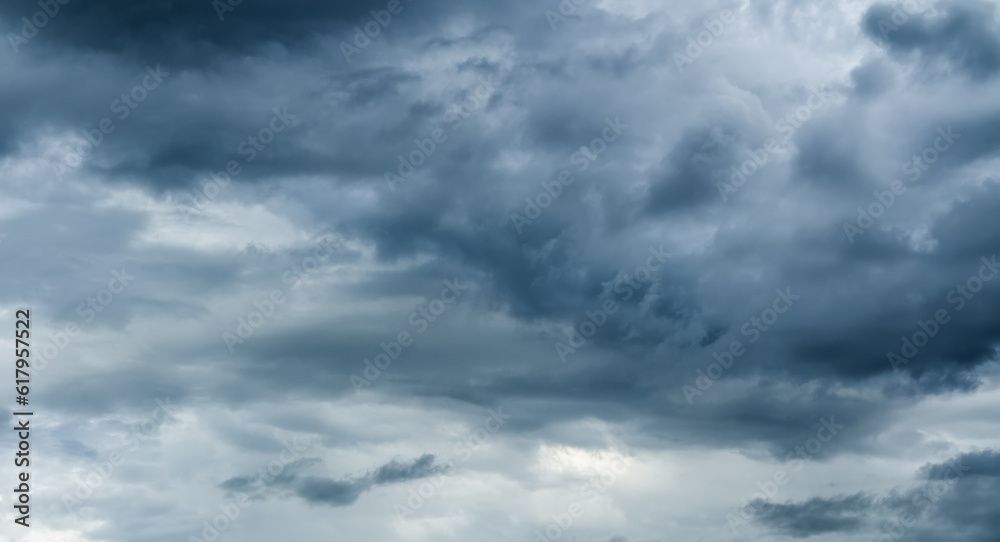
(581, 271)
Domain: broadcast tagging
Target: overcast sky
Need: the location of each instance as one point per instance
(594, 271)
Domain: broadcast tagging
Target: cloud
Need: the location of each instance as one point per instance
(965, 34)
(203, 273)
(815, 516)
(331, 492)
(950, 501)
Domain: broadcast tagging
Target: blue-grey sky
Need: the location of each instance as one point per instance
(590, 270)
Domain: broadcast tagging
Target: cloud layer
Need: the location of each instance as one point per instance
(679, 237)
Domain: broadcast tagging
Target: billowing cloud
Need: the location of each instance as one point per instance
(732, 238)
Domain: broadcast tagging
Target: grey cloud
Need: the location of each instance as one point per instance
(985, 463)
(815, 516)
(331, 492)
(966, 35)
(655, 187)
(952, 501)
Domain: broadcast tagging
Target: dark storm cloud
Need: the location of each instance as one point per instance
(965, 36)
(694, 167)
(192, 31)
(815, 516)
(955, 501)
(544, 292)
(656, 189)
(985, 463)
(959, 497)
(343, 492)
(196, 120)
